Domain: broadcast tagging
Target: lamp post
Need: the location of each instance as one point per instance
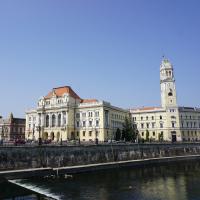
(40, 139)
(96, 137)
(2, 134)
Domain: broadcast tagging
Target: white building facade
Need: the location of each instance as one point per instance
(168, 122)
(63, 115)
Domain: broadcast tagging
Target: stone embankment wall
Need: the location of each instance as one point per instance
(13, 158)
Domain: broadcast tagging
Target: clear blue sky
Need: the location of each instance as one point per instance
(105, 49)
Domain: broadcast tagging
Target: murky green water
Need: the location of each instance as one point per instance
(180, 181)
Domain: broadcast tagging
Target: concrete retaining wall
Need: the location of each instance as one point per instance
(14, 158)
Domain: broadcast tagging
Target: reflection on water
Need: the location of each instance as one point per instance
(180, 181)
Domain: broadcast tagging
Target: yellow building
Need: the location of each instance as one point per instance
(63, 115)
(168, 122)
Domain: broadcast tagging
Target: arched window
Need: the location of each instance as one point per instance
(59, 120)
(53, 120)
(47, 121)
(170, 93)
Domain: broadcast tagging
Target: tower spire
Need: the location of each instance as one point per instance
(167, 83)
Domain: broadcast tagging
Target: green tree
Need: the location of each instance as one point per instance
(118, 135)
(161, 137)
(129, 132)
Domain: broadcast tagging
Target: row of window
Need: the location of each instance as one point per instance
(116, 124)
(153, 118)
(30, 119)
(189, 125)
(84, 123)
(17, 130)
(90, 134)
(144, 134)
(153, 125)
(89, 114)
(55, 119)
(147, 118)
(190, 133)
(190, 117)
(117, 116)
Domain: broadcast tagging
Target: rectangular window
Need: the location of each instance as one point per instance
(84, 124)
(96, 114)
(83, 133)
(141, 118)
(153, 125)
(147, 125)
(173, 125)
(77, 124)
(83, 115)
(161, 125)
(90, 114)
(77, 134)
(90, 123)
(154, 134)
(152, 117)
(142, 125)
(90, 133)
(97, 123)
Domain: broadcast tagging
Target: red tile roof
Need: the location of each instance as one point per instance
(89, 101)
(147, 108)
(62, 90)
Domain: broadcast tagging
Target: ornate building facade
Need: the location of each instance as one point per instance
(63, 115)
(168, 122)
(12, 128)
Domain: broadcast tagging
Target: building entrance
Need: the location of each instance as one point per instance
(174, 138)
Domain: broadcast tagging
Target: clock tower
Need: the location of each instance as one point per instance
(167, 84)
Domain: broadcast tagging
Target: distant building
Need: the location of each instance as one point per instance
(63, 115)
(12, 128)
(168, 122)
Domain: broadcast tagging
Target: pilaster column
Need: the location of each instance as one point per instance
(61, 119)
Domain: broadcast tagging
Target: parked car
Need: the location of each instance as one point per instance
(47, 141)
(19, 142)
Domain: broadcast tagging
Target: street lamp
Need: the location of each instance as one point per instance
(96, 139)
(40, 139)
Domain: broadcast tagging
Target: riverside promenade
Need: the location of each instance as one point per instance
(25, 162)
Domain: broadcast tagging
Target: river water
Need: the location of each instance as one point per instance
(177, 181)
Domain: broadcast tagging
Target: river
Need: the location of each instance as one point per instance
(174, 181)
